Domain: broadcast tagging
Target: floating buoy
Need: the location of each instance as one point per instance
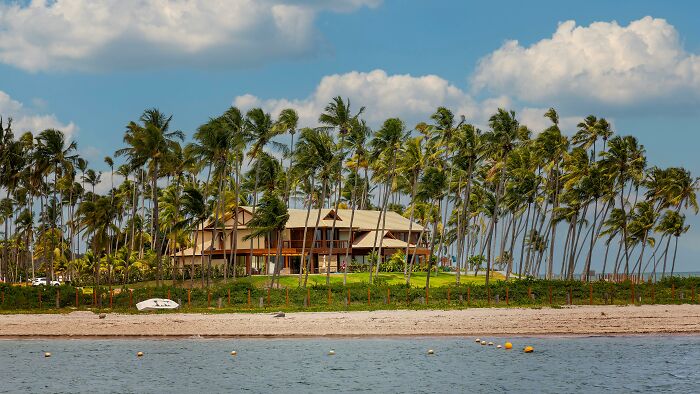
(331, 352)
(483, 342)
(477, 340)
(233, 352)
(528, 349)
(47, 354)
(430, 351)
(139, 354)
(498, 346)
(490, 343)
(508, 345)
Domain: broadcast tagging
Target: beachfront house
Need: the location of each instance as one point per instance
(258, 255)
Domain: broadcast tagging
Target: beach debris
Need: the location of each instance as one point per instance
(102, 315)
(498, 346)
(331, 352)
(431, 351)
(477, 340)
(483, 342)
(139, 354)
(234, 353)
(47, 354)
(278, 314)
(528, 349)
(490, 343)
(508, 345)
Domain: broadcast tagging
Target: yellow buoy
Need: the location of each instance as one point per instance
(528, 349)
(508, 345)
(233, 353)
(47, 354)
(331, 352)
(139, 354)
(430, 351)
(483, 342)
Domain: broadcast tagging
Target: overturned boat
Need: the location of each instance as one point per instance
(154, 304)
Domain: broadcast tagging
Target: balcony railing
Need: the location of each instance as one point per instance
(318, 244)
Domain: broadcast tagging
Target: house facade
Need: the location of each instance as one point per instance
(259, 255)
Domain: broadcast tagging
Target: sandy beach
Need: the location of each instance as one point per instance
(577, 320)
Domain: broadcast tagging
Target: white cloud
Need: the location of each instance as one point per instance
(641, 64)
(25, 119)
(411, 98)
(116, 34)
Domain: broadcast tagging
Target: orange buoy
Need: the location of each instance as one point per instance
(508, 345)
(528, 349)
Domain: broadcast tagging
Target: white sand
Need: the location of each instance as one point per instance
(577, 320)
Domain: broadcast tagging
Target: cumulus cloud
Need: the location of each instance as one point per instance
(116, 34)
(25, 119)
(604, 63)
(411, 98)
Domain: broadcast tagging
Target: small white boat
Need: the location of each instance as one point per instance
(155, 304)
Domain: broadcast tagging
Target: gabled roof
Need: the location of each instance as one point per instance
(386, 240)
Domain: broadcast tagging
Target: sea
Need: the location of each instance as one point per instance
(618, 364)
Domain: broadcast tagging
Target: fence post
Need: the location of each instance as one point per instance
(111, 296)
(168, 293)
(448, 296)
(488, 294)
(653, 294)
(632, 292)
(693, 300)
(189, 298)
(76, 297)
(369, 294)
(550, 295)
(94, 296)
(3, 297)
(348, 297)
(329, 296)
(427, 295)
(228, 294)
(286, 297)
(590, 294)
(673, 291)
(39, 298)
(388, 295)
(308, 297)
(58, 298)
(469, 295)
(248, 298)
(208, 298)
(507, 296)
(131, 297)
(269, 289)
(407, 299)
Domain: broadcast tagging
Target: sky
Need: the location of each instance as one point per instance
(88, 68)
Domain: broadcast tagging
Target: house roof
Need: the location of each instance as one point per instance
(387, 240)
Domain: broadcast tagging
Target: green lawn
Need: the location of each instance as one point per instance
(392, 278)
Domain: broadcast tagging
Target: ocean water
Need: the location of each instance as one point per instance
(402, 365)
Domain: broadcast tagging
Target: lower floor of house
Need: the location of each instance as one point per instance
(264, 261)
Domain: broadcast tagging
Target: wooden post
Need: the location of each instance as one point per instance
(673, 291)
(693, 300)
(427, 295)
(3, 297)
(408, 301)
(590, 294)
(228, 295)
(632, 291)
(248, 298)
(111, 297)
(39, 298)
(653, 295)
(58, 298)
(76, 298)
(550, 295)
(286, 296)
(131, 299)
(308, 295)
(348, 297)
(571, 296)
(369, 295)
(168, 293)
(469, 295)
(529, 293)
(208, 299)
(268, 295)
(189, 297)
(388, 295)
(329, 296)
(448, 296)
(488, 294)
(507, 302)
(94, 296)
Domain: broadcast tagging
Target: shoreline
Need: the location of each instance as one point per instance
(574, 321)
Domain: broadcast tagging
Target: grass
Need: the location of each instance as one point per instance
(390, 278)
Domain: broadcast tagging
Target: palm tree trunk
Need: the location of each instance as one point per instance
(414, 187)
(318, 220)
(350, 232)
(675, 250)
(302, 262)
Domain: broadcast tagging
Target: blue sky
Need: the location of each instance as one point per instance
(90, 70)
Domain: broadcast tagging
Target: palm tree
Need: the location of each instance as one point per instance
(270, 217)
(194, 214)
(149, 143)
